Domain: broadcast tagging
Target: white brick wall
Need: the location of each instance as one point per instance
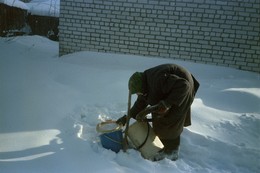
(221, 32)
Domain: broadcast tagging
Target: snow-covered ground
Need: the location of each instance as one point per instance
(49, 108)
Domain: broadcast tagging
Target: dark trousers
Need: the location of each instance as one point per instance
(171, 144)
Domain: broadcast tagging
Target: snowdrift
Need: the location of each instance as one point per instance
(50, 105)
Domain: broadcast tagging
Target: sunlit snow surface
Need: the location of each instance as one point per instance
(50, 106)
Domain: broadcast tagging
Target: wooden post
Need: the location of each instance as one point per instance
(125, 143)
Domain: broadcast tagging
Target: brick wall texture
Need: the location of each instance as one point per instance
(220, 32)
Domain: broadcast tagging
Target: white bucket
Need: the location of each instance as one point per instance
(144, 139)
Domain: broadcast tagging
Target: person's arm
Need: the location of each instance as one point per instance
(138, 106)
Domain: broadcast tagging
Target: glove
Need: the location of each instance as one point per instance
(162, 108)
(122, 120)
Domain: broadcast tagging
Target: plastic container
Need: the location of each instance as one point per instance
(144, 139)
(111, 136)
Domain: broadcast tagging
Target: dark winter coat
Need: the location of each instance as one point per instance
(177, 87)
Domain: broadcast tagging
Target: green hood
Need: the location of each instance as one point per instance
(135, 83)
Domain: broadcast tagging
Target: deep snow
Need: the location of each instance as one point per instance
(49, 108)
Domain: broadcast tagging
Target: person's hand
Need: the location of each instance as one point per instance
(122, 120)
(162, 108)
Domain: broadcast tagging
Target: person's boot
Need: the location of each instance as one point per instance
(170, 150)
(171, 155)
